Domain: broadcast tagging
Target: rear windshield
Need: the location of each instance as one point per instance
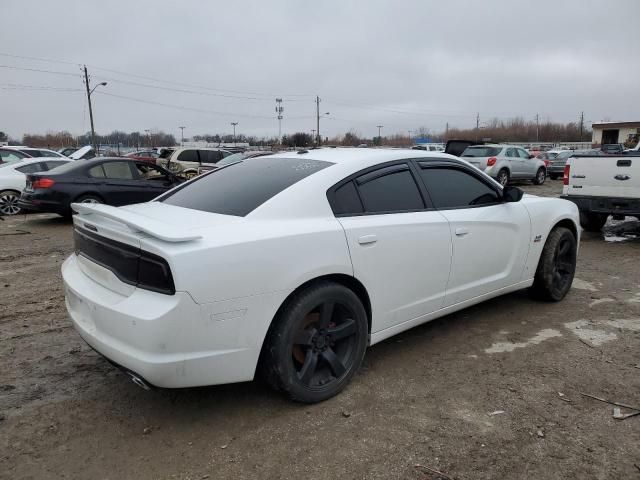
(240, 188)
(481, 151)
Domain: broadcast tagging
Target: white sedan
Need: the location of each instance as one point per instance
(13, 179)
(292, 264)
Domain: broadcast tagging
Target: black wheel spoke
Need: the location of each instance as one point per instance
(326, 313)
(303, 337)
(344, 330)
(336, 366)
(308, 367)
(564, 249)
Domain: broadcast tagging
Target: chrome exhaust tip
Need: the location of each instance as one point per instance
(138, 381)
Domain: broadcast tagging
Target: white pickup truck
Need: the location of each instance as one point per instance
(603, 185)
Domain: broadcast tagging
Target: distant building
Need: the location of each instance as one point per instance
(615, 132)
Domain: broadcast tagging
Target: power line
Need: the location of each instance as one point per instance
(180, 107)
(145, 77)
(12, 67)
(181, 90)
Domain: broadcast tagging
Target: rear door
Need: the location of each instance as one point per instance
(121, 186)
(516, 164)
(399, 246)
(490, 239)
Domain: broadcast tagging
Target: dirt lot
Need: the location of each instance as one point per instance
(489, 392)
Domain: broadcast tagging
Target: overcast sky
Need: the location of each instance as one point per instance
(401, 64)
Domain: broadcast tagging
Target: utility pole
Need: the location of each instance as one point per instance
(234, 132)
(446, 131)
(537, 128)
(581, 124)
(89, 92)
(279, 110)
(181, 135)
(313, 134)
(477, 126)
(379, 134)
(410, 132)
(319, 141)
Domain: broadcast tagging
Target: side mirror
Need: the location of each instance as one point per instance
(531, 156)
(512, 194)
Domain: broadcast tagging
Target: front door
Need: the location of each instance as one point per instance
(120, 186)
(490, 238)
(400, 251)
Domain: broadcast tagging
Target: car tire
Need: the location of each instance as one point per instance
(503, 177)
(9, 202)
(541, 175)
(316, 343)
(593, 222)
(553, 176)
(556, 267)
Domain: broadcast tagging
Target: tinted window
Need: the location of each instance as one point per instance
(188, 156)
(451, 187)
(31, 168)
(481, 151)
(53, 164)
(210, 156)
(394, 192)
(346, 200)
(240, 188)
(118, 170)
(96, 172)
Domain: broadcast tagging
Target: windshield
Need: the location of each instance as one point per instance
(240, 188)
(481, 151)
(565, 154)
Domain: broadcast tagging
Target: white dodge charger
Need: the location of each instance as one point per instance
(292, 264)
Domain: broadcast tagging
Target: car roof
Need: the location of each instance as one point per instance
(358, 158)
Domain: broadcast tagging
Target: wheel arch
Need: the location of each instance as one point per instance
(87, 194)
(569, 224)
(348, 281)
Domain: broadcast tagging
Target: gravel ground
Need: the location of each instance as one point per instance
(493, 391)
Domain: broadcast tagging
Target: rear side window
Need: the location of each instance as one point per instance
(481, 151)
(96, 172)
(210, 156)
(188, 156)
(118, 170)
(346, 200)
(455, 188)
(31, 168)
(53, 164)
(240, 188)
(394, 191)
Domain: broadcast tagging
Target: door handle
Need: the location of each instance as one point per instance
(622, 177)
(367, 239)
(461, 231)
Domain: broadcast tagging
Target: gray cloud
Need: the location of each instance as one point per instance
(400, 64)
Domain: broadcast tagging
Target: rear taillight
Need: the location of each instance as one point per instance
(565, 175)
(547, 163)
(43, 183)
(491, 161)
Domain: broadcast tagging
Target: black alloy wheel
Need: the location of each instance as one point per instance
(316, 343)
(557, 265)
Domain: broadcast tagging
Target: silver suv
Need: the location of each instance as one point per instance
(506, 162)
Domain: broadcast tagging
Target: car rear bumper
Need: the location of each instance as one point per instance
(608, 205)
(34, 203)
(168, 340)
